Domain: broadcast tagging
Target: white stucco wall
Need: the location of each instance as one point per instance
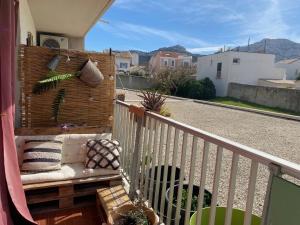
(76, 43)
(251, 68)
(120, 60)
(26, 22)
(207, 67)
(135, 59)
(292, 69)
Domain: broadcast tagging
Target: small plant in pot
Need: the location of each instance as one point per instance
(194, 203)
(154, 102)
(134, 214)
(121, 96)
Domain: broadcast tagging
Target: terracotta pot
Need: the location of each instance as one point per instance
(116, 214)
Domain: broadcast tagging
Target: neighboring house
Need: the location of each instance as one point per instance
(292, 67)
(164, 59)
(58, 23)
(123, 61)
(135, 59)
(239, 67)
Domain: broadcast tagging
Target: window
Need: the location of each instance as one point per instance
(173, 63)
(186, 64)
(236, 60)
(123, 65)
(166, 62)
(219, 70)
(162, 62)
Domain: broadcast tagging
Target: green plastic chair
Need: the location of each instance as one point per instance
(237, 217)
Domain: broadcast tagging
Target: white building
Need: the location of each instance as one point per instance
(239, 67)
(292, 67)
(123, 61)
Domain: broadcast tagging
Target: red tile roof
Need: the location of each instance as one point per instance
(168, 54)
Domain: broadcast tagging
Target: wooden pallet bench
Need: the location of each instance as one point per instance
(52, 196)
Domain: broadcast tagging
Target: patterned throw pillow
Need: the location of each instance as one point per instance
(41, 155)
(103, 153)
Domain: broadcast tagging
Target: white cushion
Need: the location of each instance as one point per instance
(67, 172)
(74, 147)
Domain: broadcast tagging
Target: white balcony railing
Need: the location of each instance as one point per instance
(237, 176)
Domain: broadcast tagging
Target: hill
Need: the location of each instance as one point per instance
(281, 48)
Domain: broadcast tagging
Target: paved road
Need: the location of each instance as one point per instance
(276, 136)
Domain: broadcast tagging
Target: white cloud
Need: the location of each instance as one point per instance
(268, 21)
(140, 31)
(204, 50)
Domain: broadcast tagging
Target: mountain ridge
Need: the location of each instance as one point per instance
(281, 48)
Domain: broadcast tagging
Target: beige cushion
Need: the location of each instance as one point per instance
(90, 74)
(74, 150)
(41, 155)
(67, 171)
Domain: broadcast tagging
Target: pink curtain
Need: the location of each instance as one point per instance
(11, 190)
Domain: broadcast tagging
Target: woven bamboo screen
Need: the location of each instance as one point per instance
(82, 106)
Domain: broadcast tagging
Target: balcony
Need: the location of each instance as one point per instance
(164, 159)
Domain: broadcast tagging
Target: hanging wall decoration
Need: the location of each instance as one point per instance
(89, 74)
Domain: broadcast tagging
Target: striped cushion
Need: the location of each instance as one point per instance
(41, 155)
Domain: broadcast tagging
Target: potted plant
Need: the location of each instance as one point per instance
(160, 181)
(236, 219)
(133, 214)
(121, 96)
(154, 102)
(194, 203)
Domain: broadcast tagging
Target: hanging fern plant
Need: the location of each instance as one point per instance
(51, 82)
(57, 103)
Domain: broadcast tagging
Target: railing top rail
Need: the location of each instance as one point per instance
(267, 159)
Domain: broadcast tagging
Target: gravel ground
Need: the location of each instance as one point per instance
(276, 136)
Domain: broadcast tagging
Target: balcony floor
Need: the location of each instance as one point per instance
(78, 216)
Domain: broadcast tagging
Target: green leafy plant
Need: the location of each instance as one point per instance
(152, 100)
(165, 112)
(169, 80)
(198, 89)
(298, 78)
(194, 202)
(51, 81)
(57, 103)
(134, 217)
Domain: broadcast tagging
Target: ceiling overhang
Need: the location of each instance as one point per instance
(69, 17)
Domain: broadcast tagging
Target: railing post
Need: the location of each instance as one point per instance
(139, 114)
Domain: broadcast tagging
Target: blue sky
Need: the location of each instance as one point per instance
(202, 26)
